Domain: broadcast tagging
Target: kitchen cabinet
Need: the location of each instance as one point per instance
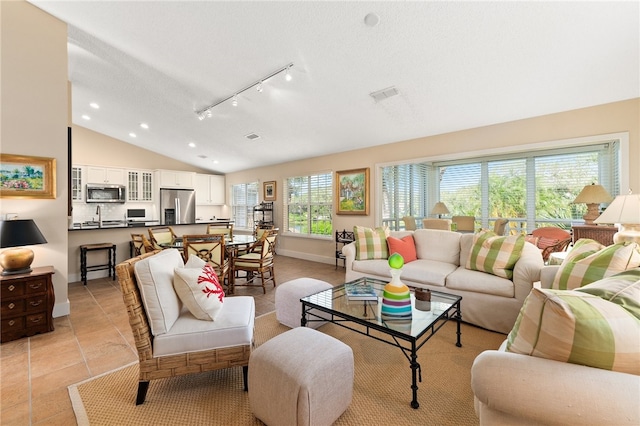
(27, 304)
(210, 190)
(77, 183)
(139, 185)
(176, 179)
(108, 175)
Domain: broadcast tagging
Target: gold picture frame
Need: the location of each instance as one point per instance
(352, 192)
(23, 176)
(270, 190)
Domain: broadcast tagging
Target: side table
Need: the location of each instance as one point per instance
(599, 233)
(26, 304)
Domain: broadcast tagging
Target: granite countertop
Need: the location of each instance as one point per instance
(111, 224)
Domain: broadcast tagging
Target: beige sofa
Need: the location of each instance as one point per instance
(487, 300)
(514, 389)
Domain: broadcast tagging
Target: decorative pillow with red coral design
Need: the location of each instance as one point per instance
(200, 291)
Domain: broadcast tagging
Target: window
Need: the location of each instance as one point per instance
(244, 197)
(309, 205)
(531, 189)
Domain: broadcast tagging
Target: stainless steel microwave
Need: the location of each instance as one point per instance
(100, 193)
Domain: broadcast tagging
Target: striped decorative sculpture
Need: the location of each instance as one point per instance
(396, 298)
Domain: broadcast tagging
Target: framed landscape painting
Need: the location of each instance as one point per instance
(352, 192)
(23, 176)
(270, 191)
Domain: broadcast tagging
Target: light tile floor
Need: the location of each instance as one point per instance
(95, 338)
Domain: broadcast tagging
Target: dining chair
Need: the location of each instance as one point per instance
(257, 262)
(409, 223)
(261, 228)
(500, 225)
(443, 224)
(140, 244)
(225, 229)
(211, 249)
(161, 235)
(464, 223)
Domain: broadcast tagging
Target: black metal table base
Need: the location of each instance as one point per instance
(411, 352)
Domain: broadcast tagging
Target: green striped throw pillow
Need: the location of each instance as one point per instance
(371, 243)
(579, 328)
(622, 289)
(495, 254)
(589, 261)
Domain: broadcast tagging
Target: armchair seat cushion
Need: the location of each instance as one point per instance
(468, 280)
(233, 327)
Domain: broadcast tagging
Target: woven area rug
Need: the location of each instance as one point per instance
(381, 388)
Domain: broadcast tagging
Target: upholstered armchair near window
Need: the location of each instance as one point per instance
(409, 223)
(211, 249)
(443, 224)
(225, 229)
(171, 341)
(161, 235)
(464, 223)
(257, 262)
(500, 225)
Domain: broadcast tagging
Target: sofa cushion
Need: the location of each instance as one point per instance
(155, 281)
(588, 261)
(419, 271)
(405, 247)
(468, 280)
(435, 244)
(495, 254)
(579, 328)
(371, 243)
(232, 327)
(200, 291)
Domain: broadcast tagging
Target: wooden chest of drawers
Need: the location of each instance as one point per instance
(26, 304)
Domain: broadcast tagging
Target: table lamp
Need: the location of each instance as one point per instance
(624, 210)
(440, 208)
(592, 195)
(13, 235)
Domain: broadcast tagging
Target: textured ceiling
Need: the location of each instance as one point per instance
(456, 65)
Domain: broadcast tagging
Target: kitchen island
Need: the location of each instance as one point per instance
(120, 235)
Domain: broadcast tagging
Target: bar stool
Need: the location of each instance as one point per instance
(111, 255)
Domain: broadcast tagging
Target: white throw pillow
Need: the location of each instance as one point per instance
(200, 291)
(155, 281)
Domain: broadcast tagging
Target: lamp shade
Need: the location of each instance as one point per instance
(593, 194)
(625, 209)
(13, 235)
(17, 233)
(440, 208)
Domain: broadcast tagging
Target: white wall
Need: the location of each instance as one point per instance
(34, 120)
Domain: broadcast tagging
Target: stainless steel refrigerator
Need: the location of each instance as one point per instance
(177, 206)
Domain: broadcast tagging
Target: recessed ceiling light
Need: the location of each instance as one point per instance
(133, 135)
(94, 105)
(192, 145)
(86, 117)
(371, 20)
(144, 125)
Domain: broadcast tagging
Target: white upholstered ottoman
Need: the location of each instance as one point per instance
(300, 377)
(288, 305)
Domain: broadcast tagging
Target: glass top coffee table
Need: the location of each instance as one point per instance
(408, 334)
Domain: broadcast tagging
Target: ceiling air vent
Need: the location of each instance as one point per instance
(202, 156)
(252, 136)
(383, 94)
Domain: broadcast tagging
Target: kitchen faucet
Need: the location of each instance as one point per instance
(99, 213)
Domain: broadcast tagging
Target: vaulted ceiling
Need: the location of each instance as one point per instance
(454, 65)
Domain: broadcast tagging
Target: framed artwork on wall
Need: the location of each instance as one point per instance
(23, 176)
(352, 192)
(270, 191)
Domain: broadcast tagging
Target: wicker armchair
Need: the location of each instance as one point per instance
(165, 366)
(141, 244)
(442, 224)
(161, 235)
(211, 249)
(257, 262)
(551, 239)
(464, 223)
(225, 229)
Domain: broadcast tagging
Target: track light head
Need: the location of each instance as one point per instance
(259, 87)
(287, 75)
(234, 100)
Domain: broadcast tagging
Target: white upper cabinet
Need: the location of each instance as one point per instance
(139, 185)
(106, 175)
(77, 183)
(176, 179)
(210, 190)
